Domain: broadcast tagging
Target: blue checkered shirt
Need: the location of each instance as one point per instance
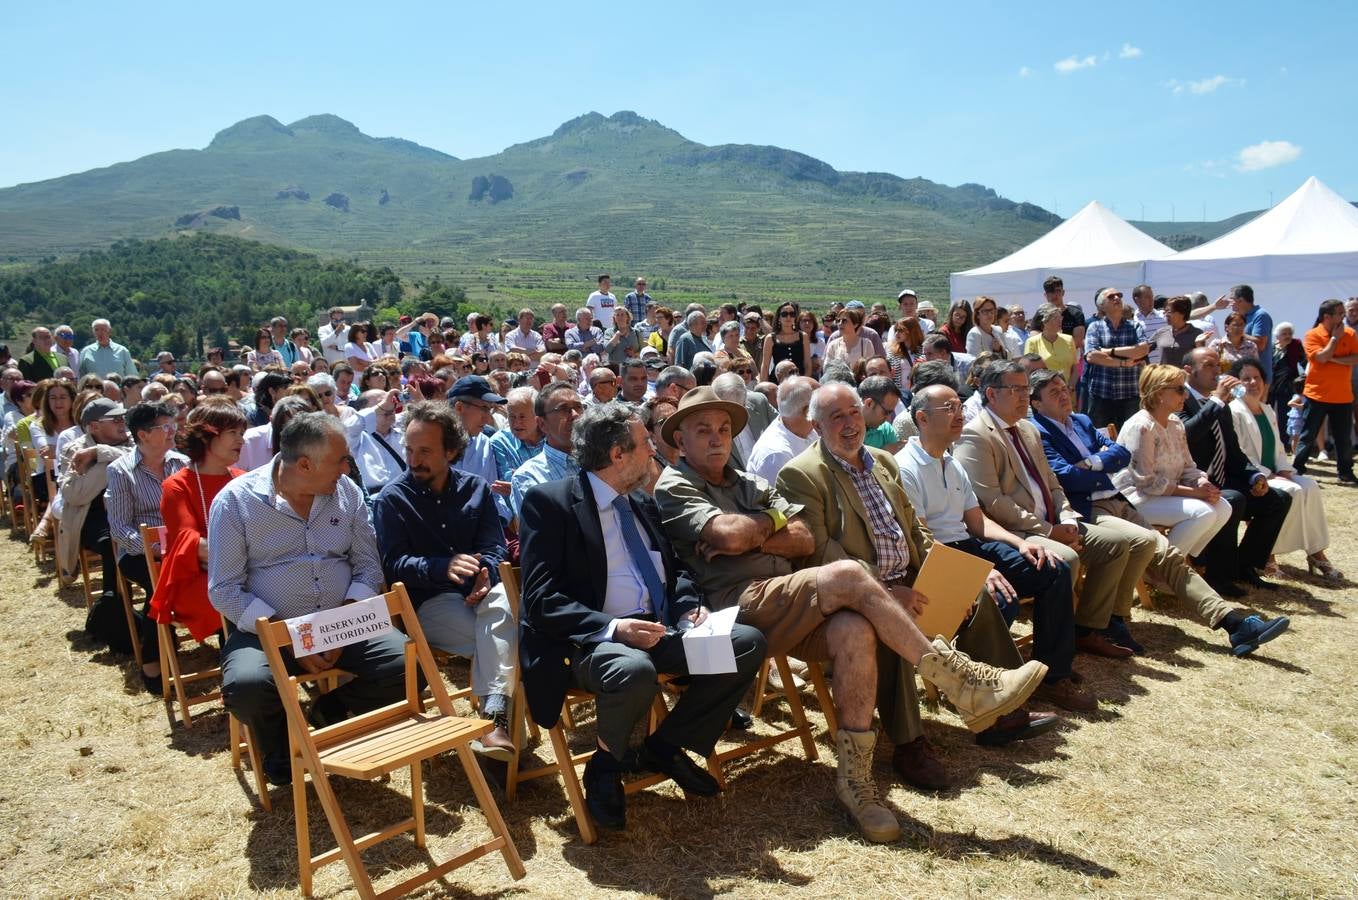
(510, 452)
(549, 465)
(1112, 382)
(265, 560)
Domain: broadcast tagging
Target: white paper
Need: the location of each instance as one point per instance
(339, 627)
(708, 646)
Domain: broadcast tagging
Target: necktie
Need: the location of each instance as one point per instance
(1216, 469)
(1034, 474)
(387, 447)
(641, 558)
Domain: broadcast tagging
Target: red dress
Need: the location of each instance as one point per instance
(181, 591)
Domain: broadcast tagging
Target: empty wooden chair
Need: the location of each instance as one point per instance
(398, 735)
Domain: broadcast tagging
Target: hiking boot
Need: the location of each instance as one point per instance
(980, 693)
(856, 789)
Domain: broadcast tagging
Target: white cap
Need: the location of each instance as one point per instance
(907, 293)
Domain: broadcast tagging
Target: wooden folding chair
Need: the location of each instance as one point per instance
(124, 588)
(401, 734)
(173, 676)
(88, 560)
(24, 511)
(815, 673)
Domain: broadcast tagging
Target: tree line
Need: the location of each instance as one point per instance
(188, 293)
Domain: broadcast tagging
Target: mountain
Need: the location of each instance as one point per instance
(617, 192)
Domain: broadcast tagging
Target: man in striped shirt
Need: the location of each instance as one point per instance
(132, 499)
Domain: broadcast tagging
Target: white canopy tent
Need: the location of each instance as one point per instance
(1092, 249)
(1300, 252)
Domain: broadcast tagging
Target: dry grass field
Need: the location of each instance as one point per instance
(1201, 775)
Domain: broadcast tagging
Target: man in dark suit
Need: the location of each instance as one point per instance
(1216, 450)
(605, 602)
(1084, 460)
(40, 362)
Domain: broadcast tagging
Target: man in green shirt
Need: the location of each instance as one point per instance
(880, 398)
(41, 362)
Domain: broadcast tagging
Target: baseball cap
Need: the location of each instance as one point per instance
(474, 387)
(102, 408)
(855, 304)
(907, 293)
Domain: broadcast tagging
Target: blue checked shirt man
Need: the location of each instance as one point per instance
(1115, 351)
(557, 407)
(288, 539)
(636, 301)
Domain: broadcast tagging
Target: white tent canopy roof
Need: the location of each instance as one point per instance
(1295, 255)
(1094, 236)
(1092, 249)
(1313, 219)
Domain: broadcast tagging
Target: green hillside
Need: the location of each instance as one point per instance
(532, 223)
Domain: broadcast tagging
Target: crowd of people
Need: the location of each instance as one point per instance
(645, 465)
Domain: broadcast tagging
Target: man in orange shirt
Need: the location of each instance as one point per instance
(1331, 352)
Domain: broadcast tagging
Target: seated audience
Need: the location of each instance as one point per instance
(605, 600)
(741, 536)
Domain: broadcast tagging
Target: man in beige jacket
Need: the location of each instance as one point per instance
(1002, 454)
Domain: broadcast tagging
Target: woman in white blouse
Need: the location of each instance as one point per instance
(851, 346)
(1161, 481)
(985, 336)
(1256, 427)
(357, 353)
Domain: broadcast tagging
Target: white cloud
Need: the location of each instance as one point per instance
(1075, 63)
(1204, 85)
(1266, 155)
(1024, 71)
(1129, 52)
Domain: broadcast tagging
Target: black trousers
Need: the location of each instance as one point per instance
(623, 680)
(95, 537)
(1222, 557)
(1053, 603)
(1105, 411)
(1341, 432)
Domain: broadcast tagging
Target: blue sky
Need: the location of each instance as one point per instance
(1139, 105)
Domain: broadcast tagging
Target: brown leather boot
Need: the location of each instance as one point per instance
(918, 765)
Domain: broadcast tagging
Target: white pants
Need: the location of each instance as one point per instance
(485, 633)
(1193, 523)
(1304, 528)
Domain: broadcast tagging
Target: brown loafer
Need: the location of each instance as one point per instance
(917, 765)
(1067, 695)
(1099, 645)
(495, 744)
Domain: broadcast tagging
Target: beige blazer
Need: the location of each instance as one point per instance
(998, 477)
(836, 516)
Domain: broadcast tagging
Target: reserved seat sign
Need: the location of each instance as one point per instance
(339, 627)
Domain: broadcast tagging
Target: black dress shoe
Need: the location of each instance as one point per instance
(278, 768)
(1251, 577)
(1225, 587)
(680, 768)
(154, 684)
(604, 796)
(1019, 725)
(327, 710)
(741, 720)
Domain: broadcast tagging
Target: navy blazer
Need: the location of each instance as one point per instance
(1062, 454)
(1197, 418)
(565, 579)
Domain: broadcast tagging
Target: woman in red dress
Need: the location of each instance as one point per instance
(211, 438)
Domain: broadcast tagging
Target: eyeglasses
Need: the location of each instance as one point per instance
(65, 334)
(566, 408)
(327, 393)
(787, 314)
(1180, 388)
(167, 427)
(952, 407)
(1009, 387)
(744, 371)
